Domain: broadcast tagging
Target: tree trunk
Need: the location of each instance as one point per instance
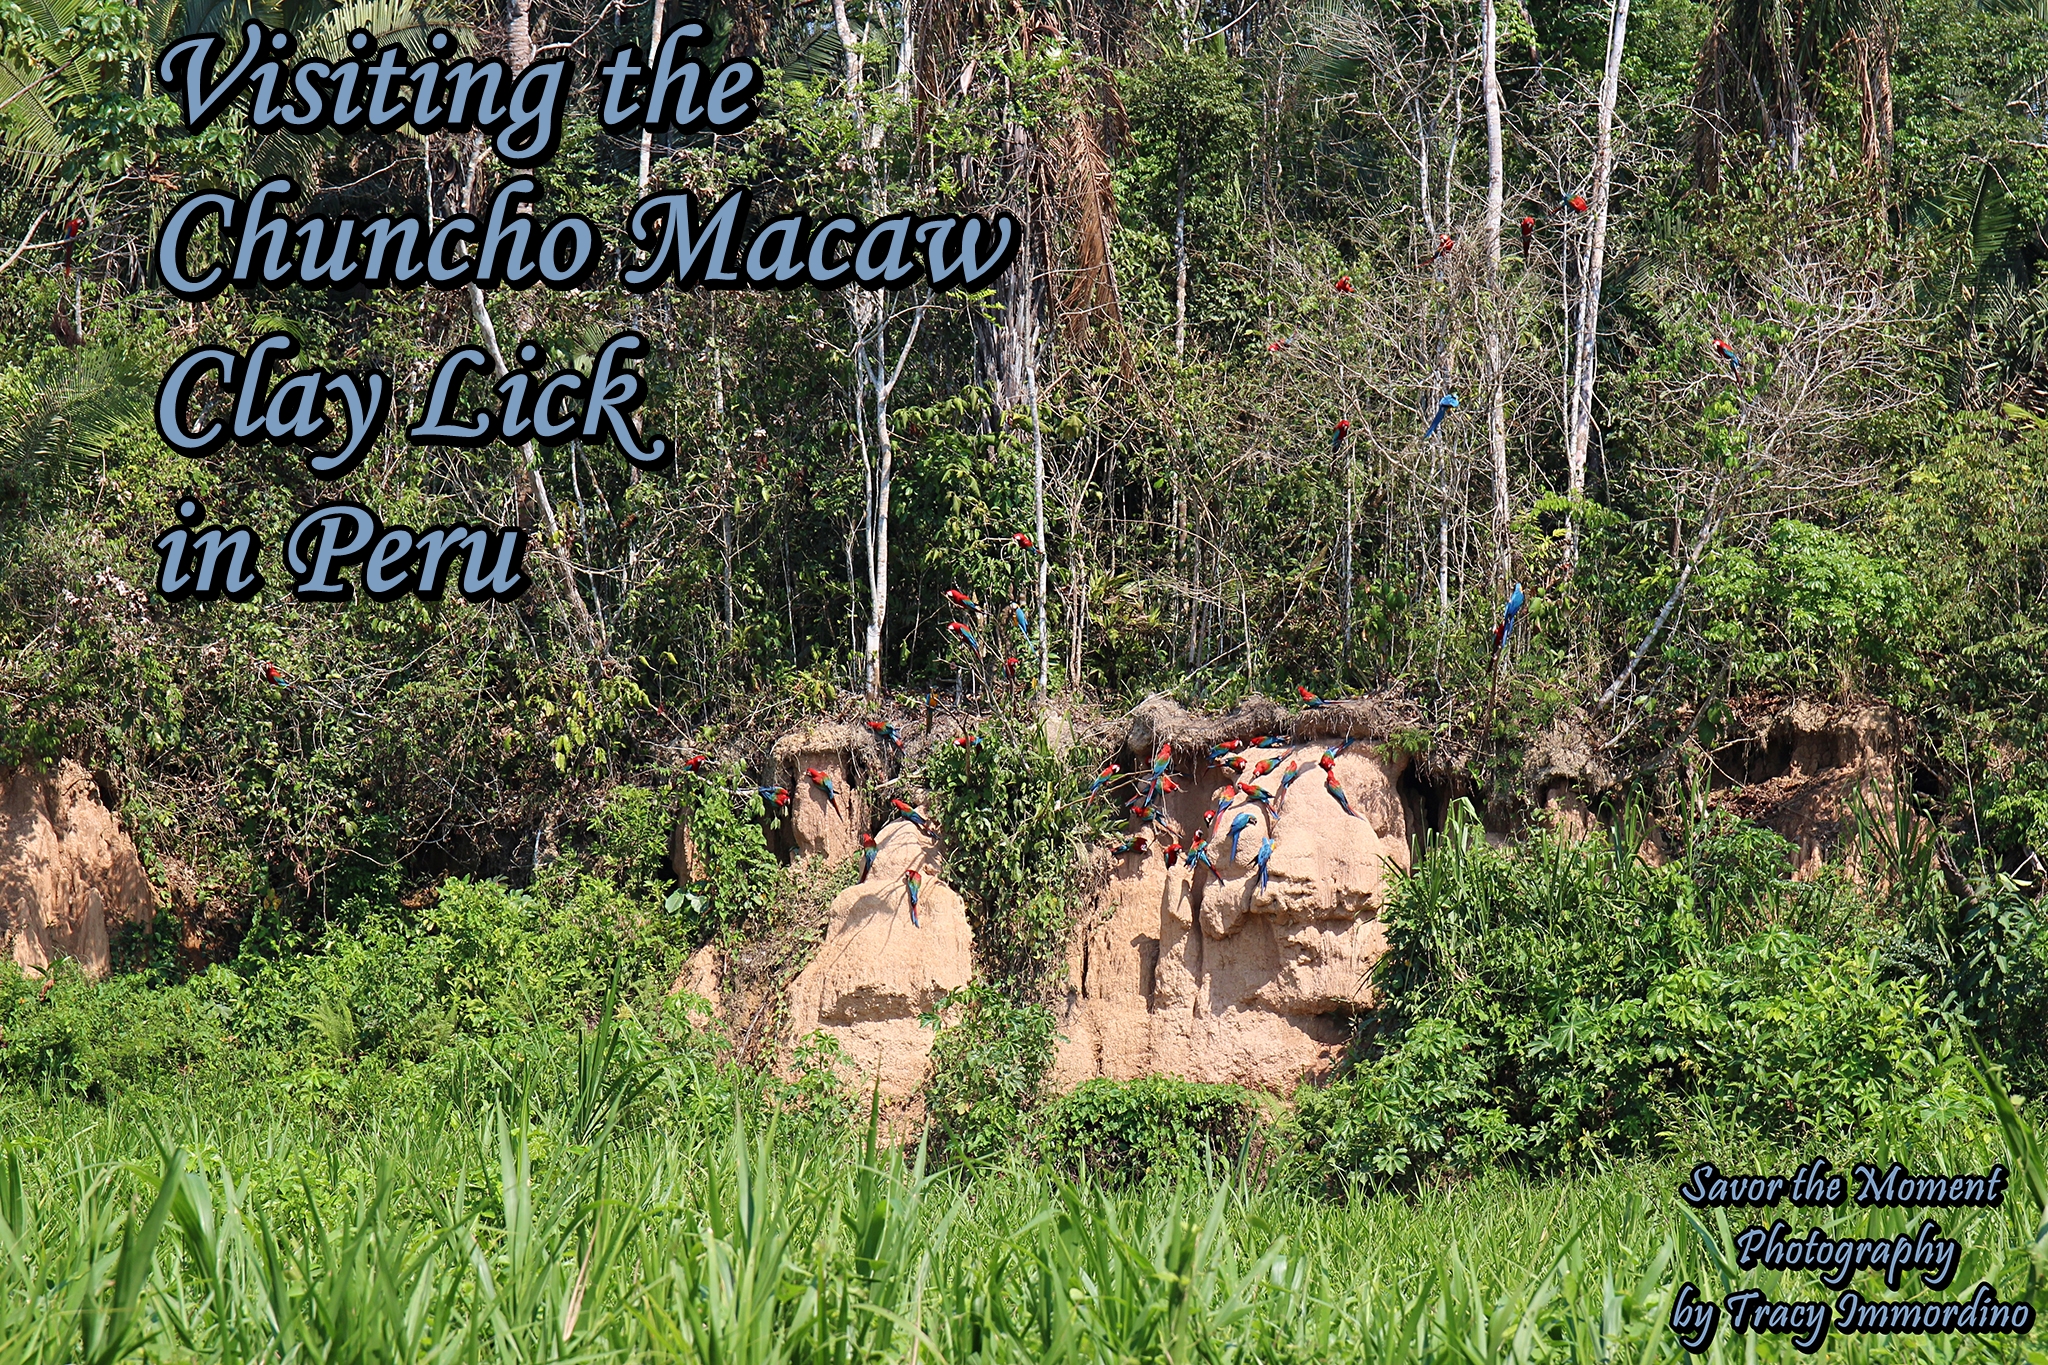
(1497, 405)
(647, 135)
(1180, 261)
(519, 34)
(1587, 332)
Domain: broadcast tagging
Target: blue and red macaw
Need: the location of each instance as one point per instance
(1264, 860)
(1237, 828)
(1528, 231)
(1337, 792)
(1023, 621)
(1729, 354)
(1137, 844)
(1262, 767)
(914, 880)
(1109, 771)
(1444, 405)
(867, 854)
(912, 814)
(973, 641)
(695, 763)
(962, 600)
(1010, 668)
(274, 675)
(1199, 857)
(1173, 851)
(1257, 796)
(888, 732)
(968, 741)
(1023, 541)
(774, 796)
(1337, 436)
(1287, 776)
(823, 783)
(1509, 615)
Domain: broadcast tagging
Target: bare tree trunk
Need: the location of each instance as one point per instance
(1037, 451)
(647, 135)
(519, 33)
(1180, 261)
(1587, 333)
(1497, 405)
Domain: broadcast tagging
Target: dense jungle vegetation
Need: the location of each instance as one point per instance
(420, 1091)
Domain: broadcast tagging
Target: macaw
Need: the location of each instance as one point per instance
(913, 879)
(820, 780)
(867, 855)
(1339, 750)
(1023, 621)
(1729, 354)
(1024, 542)
(1238, 827)
(1287, 776)
(1264, 766)
(1328, 762)
(1337, 436)
(274, 675)
(967, 741)
(888, 732)
(1264, 860)
(969, 636)
(1167, 784)
(1506, 627)
(931, 706)
(1274, 346)
(1228, 746)
(1200, 857)
(912, 814)
(1257, 741)
(695, 763)
(1162, 758)
(1443, 410)
(1343, 285)
(1143, 814)
(1173, 852)
(1236, 763)
(962, 600)
(774, 796)
(1528, 231)
(1010, 668)
(1257, 796)
(1310, 699)
(69, 241)
(1330, 786)
(1109, 770)
(1137, 844)
(1578, 203)
(1446, 244)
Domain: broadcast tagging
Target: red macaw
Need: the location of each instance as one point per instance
(912, 814)
(964, 633)
(1200, 857)
(1287, 776)
(1264, 860)
(695, 763)
(1578, 203)
(1729, 354)
(819, 779)
(1173, 852)
(1343, 285)
(1228, 746)
(1257, 742)
(1310, 699)
(1262, 767)
(967, 741)
(888, 732)
(1328, 762)
(1446, 244)
(1024, 542)
(1137, 844)
(774, 796)
(1167, 784)
(1528, 231)
(69, 241)
(1109, 770)
(1337, 436)
(867, 854)
(1010, 668)
(913, 879)
(1330, 786)
(1257, 796)
(962, 600)
(274, 675)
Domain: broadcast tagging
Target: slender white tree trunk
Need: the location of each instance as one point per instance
(647, 135)
(1497, 405)
(1587, 333)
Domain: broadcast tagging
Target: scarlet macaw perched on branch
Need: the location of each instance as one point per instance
(695, 763)
(1729, 354)
(1337, 436)
(969, 636)
(962, 600)
(274, 675)
(1109, 770)
(1024, 542)
(1528, 231)
(774, 796)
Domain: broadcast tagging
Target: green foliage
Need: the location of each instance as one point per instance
(1015, 824)
(736, 870)
(988, 1064)
(1156, 1125)
(1560, 1003)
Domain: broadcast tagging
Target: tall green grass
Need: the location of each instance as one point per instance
(485, 1225)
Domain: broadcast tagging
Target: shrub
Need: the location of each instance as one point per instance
(1118, 1130)
(987, 1067)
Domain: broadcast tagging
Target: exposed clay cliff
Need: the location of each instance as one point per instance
(877, 972)
(1173, 970)
(69, 874)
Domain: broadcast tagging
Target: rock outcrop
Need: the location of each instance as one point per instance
(1802, 767)
(69, 874)
(877, 972)
(1175, 971)
(818, 826)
